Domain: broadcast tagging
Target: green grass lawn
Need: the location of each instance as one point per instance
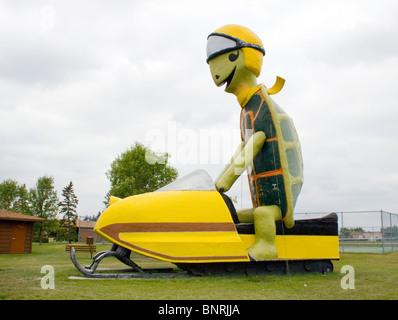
(376, 277)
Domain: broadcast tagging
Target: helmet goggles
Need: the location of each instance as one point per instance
(220, 43)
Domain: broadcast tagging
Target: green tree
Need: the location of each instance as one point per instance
(139, 170)
(13, 197)
(93, 217)
(68, 208)
(346, 232)
(43, 202)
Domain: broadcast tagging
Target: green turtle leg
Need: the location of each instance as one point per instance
(246, 215)
(265, 230)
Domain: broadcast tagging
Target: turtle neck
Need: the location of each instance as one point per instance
(245, 95)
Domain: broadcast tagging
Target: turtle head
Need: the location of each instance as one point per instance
(235, 55)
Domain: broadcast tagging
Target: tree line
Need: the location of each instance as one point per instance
(42, 201)
(130, 173)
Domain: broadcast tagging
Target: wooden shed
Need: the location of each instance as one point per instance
(16, 232)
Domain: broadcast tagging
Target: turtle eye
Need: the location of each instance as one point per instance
(232, 57)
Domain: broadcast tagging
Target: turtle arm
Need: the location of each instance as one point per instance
(242, 158)
(237, 152)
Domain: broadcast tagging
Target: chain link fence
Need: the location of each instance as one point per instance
(366, 231)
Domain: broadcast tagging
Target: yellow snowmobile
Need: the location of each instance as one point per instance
(195, 227)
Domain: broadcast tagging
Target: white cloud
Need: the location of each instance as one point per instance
(81, 81)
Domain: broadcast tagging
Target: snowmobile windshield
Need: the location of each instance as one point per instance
(196, 181)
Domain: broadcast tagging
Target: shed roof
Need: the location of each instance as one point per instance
(8, 215)
(86, 224)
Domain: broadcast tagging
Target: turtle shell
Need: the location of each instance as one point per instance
(276, 174)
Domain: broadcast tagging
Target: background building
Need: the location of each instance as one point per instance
(86, 229)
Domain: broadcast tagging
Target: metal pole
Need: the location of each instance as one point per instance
(395, 237)
(342, 233)
(78, 233)
(392, 246)
(382, 231)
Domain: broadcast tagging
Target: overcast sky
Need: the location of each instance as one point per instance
(80, 81)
